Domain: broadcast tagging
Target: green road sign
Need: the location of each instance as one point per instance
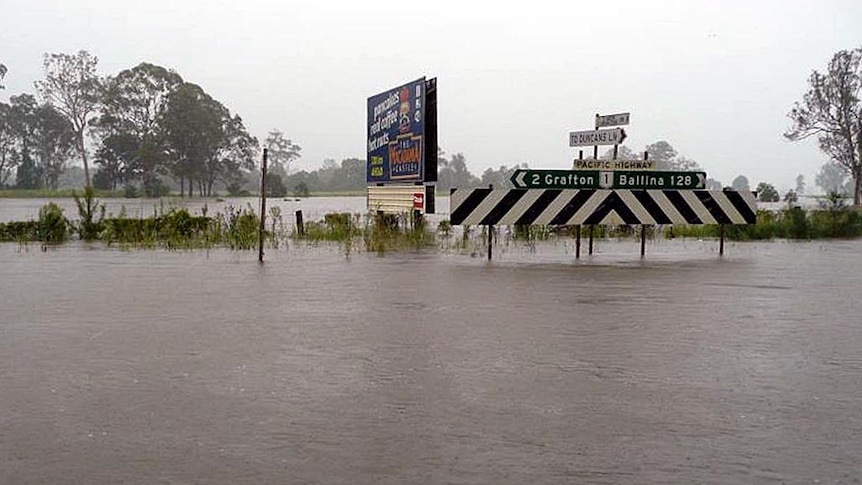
(648, 179)
(607, 179)
(555, 179)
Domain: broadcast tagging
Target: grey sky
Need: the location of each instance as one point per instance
(714, 78)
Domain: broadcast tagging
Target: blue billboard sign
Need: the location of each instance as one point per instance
(396, 134)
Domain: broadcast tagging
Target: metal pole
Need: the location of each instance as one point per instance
(578, 242)
(490, 232)
(262, 207)
(643, 240)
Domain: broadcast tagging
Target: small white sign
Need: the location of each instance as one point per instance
(613, 136)
(618, 119)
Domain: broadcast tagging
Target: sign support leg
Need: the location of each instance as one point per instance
(643, 240)
(490, 241)
(721, 239)
(591, 239)
(578, 242)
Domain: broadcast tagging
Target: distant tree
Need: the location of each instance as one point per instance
(275, 186)
(3, 72)
(22, 122)
(666, 157)
(767, 193)
(500, 178)
(461, 176)
(800, 185)
(28, 175)
(8, 141)
(740, 184)
(662, 154)
(712, 184)
(623, 153)
(832, 178)
(281, 151)
(301, 190)
(55, 144)
(791, 197)
(72, 86)
(831, 110)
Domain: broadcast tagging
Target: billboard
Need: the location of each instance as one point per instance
(400, 134)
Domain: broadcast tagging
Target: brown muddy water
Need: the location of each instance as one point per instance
(154, 367)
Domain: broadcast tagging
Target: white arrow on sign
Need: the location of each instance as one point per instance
(519, 179)
(701, 180)
(613, 136)
(617, 119)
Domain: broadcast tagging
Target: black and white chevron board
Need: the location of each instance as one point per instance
(558, 207)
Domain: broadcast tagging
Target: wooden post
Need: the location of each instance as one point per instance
(721, 239)
(591, 240)
(643, 240)
(262, 207)
(300, 227)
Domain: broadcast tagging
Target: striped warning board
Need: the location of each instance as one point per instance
(558, 207)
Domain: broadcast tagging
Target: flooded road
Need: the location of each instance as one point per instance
(153, 367)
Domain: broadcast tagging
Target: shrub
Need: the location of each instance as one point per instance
(52, 228)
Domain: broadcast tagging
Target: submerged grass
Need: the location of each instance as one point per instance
(238, 229)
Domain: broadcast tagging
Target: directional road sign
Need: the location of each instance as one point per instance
(612, 136)
(618, 119)
(617, 179)
(555, 179)
(630, 179)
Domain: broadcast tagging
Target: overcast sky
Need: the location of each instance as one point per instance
(714, 78)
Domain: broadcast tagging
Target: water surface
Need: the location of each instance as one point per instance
(143, 367)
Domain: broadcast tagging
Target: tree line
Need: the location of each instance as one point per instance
(147, 124)
(143, 124)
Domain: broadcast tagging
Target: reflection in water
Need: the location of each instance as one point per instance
(204, 367)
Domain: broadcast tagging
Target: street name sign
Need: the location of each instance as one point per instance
(606, 179)
(612, 136)
(618, 119)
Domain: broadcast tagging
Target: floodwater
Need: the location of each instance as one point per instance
(320, 367)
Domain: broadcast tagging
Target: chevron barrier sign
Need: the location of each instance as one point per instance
(559, 207)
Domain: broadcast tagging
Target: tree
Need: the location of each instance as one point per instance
(767, 193)
(117, 159)
(740, 184)
(134, 106)
(3, 72)
(280, 150)
(72, 86)
(207, 143)
(832, 178)
(712, 184)
(55, 144)
(8, 156)
(800, 185)
(831, 111)
(623, 153)
(662, 154)
(666, 157)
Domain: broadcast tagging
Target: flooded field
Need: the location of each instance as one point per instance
(156, 367)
